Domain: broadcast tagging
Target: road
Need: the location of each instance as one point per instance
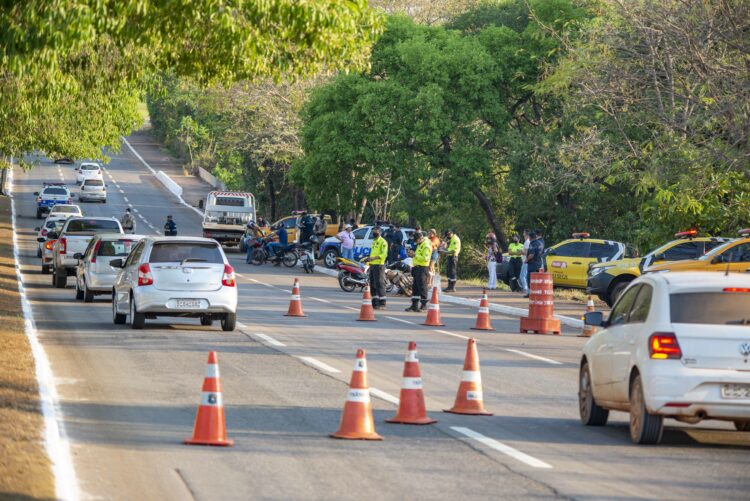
(129, 397)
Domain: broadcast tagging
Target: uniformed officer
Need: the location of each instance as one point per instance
(454, 249)
(420, 272)
(378, 255)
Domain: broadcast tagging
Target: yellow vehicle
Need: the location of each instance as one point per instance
(291, 222)
(569, 260)
(731, 256)
(608, 280)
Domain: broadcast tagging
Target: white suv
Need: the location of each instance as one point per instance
(175, 277)
(88, 170)
(93, 190)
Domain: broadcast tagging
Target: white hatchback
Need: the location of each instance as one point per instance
(675, 345)
(88, 170)
(65, 210)
(93, 190)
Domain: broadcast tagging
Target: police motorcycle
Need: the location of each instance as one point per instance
(261, 254)
(305, 253)
(355, 274)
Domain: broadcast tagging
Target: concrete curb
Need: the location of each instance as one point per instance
(169, 184)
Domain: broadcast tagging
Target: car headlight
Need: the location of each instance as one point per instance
(595, 271)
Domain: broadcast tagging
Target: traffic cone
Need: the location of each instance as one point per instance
(483, 316)
(433, 310)
(411, 407)
(295, 303)
(588, 330)
(356, 420)
(366, 312)
(210, 424)
(469, 396)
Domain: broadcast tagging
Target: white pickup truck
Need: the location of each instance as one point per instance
(227, 214)
(74, 238)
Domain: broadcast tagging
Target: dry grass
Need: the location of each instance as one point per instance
(24, 467)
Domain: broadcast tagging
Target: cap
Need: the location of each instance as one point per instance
(347, 226)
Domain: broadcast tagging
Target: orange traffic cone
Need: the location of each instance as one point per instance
(469, 396)
(411, 407)
(366, 312)
(210, 425)
(588, 330)
(356, 420)
(433, 310)
(483, 317)
(295, 303)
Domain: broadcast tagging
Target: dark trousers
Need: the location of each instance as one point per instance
(515, 271)
(377, 284)
(393, 253)
(531, 268)
(420, 285)
(452, 271)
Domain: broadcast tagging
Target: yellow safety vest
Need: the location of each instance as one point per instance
(379, 251)
(454, 247)
(423, 253)
(515, 250)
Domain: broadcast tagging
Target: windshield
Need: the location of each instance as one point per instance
(715, 251)
(94, 225)
(715, 308)
(168, 252)
(232, 218)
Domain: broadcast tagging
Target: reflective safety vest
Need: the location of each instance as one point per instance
(379, 251)
(423, 253)
(515, 250)
(454, 246)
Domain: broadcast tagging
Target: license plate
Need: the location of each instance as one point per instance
(188, 304)
(735, 391)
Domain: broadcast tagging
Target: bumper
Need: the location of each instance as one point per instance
(223, 236)
(150, 300)
(599, 284)
(92, 196)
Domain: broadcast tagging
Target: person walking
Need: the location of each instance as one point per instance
(420, 272)
(515, 251)
(492, 259)
(346, 238)
(524, 265)
(128, 221)
(377, 257)
(453, 250)
(534, 258)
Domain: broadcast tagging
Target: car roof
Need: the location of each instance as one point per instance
(687, 281)
(181, 239)
(119, 236)
(96, 218)
(591, 240)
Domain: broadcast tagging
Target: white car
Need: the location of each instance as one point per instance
(93, 190)
(53, 224)
(675, 345)
(175, 277)
(65, 210)
(88, 170)
(94, 275)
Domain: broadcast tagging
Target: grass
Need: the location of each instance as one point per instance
(25, 471)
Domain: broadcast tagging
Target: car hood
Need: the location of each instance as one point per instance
(631, 262)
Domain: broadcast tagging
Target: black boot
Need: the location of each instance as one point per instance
(423, 306)
(382, 304)
(413, 307)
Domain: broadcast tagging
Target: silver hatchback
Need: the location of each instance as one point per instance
(175, 277)
(95, 275)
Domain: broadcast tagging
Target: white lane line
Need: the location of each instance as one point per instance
(385, 396)
(535, 357)
(318, 299)
(135, 210)
(151, 226)
(126, 199)
(121, 191)
(350, 308)
(501, 447)
(402, 320)
(284, 290)
(452, 334)
(157, 232)
(319, 364)
(268, 339)
(142, 218)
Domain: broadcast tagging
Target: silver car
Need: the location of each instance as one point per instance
(94, 275)
(175, 277)
(93, 190)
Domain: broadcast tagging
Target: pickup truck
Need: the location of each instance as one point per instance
(51, 195)
(74, 238)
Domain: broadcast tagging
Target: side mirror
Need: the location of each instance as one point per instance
(41, 239)
(52, 235)
(117, 263)
(595, 318)
(36, 193)
(78, 256)
(37, 228)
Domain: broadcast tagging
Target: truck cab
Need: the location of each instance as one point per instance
(226, 216)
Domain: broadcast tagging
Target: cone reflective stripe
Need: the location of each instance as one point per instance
(366, 311)
(411, 406)
(295, 303)
(588, 330)
(433, 310)
(356, 420)
(483, 316)
(210, 424)
(469, 399)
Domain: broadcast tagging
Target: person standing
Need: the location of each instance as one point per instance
(346, 238)
(253, 234)
(434, 239)
(354, 224)
(492, 260)
(540, 237)
(420, 272)
(515, 251)
(453, 250)
(377, 257)
(306, 226)
(128, 221)
(170, 227)
(524, 265)
(395, 242)
(534, 257)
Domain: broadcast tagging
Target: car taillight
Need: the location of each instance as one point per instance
(39, 199)
(44, 233)
(63, 246)
(736, 289)
(144, 275)
(49, 244)
(70, 200)
(96, 250)
(228, 278)
(664, 345)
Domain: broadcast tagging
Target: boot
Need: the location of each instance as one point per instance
(413, 307)
(451, 286)
(423, 305)
(382, 304)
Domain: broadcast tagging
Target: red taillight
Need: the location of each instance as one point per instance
(228, 278)
(736, 289)
(96, 250)
(63, 246)
(144, 275)
(70, 200)
(49, 244)
(44, 233)
(663, 345)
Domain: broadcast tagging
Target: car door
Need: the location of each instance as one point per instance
(362, 243)
(735, 258)
(125, 277)
(567, 263)
(83, 269)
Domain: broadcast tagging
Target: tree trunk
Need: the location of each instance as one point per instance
(489, 212)
(361, 212)
(272, 197)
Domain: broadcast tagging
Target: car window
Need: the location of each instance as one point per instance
(604, 251)
(290, 223)
(95, 225)
(572, 249)
(712, 244)
(55, 191)
(641, 305)
(683, 251)
(119, 248)
(89, 167)
(50, 224)
(93, 182)
(360, 233)
(737, 254)
(135, 254)
(715, 308)
(619, 314)
(87, 252)
(168, 252)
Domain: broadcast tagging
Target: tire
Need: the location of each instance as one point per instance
(38, 214)
(45, 269)
(329, 258)
(229, 322)
(616, 292)
(645, 428)
(38, 251)
(206, 320)
(345, 286)
(88, 295)
(258, 257)
(79, 292)
(591, 414)
(117, 318)
(60, 279)
(290, 259)
(137, 320)
(389, 288)
(742, 425)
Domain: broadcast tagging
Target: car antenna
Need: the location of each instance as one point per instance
(726, 272)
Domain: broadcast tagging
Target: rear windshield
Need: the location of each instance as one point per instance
(117, 248)
(94, 225)
(59, 223)
(65, 208)
(89, 167)
(55, 191)
(716, 308)
(94, 182)
(168, 252)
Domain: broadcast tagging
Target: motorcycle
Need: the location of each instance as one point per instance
(305, 253)
(286, 255)
(353, 274)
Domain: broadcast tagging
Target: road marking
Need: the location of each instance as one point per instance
(350, 308)
(402, 320)
(126, 199)
(321, 300)
(501, 447)
(284, 290)
(452, 334)
(535, 357)
(268, 339)
(121, 191)
(319, 364)
(135, 210)
(157, 231)
(385, 396)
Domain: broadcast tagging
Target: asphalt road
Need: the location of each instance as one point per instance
(129, 397)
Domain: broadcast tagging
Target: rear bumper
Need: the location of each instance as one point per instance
(92, 196)
(150, 300)
(224, 236)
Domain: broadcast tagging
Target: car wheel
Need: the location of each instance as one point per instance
(206, 320)
(229, 322)
(137, 320)
(616, 292)
(290, 259)
(742, 425)
(38, 214)
(88, 295)
(645, 428)
(60, 279)
(79, 292)
(329, 258)
(117, 318)
(45, 269)
(591, 414)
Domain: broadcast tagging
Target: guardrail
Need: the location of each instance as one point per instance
(169, 183)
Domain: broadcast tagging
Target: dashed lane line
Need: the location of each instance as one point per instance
(126, 199)
(320, 365)
(501, 447)
(385, 396)
(121, 190)
(320, 300)
(535, 357)
(268, 339)
(402, 320)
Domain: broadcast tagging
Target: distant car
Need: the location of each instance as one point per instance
(88, 170)
(64, 160)
(51, 195)
(93, 190)
(94, 275)
(675, 345)
(175, 277)
(331, 247)
(53, 224)
(730, 256)
(65, 210)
